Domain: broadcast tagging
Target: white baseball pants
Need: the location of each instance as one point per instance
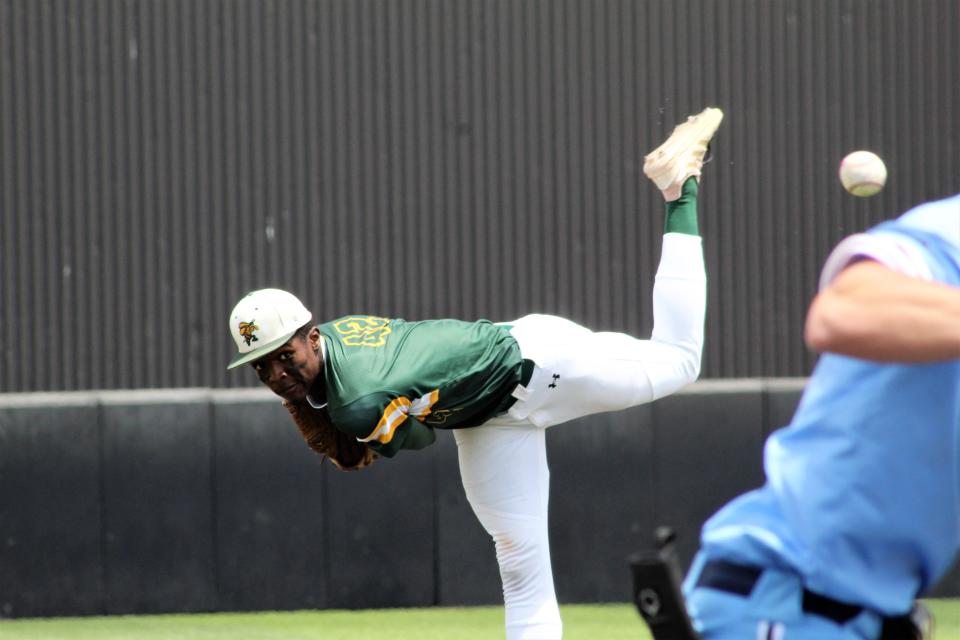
(503, 463)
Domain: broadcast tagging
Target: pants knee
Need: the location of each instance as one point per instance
(524, 559)
(528, 594)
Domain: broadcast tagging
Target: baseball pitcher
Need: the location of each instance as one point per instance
(364, 387)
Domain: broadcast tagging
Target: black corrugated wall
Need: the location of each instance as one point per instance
(159, 158)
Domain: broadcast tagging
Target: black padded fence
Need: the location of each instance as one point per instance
(193, 500)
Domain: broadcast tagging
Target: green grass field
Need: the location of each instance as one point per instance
(581, 622)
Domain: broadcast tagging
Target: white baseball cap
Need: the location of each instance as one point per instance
(263, 321)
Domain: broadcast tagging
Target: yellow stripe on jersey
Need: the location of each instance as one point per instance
(420, 408)
(397, 412)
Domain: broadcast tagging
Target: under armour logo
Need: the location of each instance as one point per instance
(553, 385)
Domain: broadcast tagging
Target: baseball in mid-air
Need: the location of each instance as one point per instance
(863, 173)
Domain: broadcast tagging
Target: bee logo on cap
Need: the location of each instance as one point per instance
(246, 331)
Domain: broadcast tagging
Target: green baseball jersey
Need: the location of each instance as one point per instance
(389, 382)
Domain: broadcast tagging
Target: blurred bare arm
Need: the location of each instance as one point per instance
(872, 312)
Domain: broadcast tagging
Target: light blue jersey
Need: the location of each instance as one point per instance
(862, 487)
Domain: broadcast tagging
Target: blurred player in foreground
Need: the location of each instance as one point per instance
(860, 513)
(386, 384)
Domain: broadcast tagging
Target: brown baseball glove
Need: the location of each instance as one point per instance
(341, 448)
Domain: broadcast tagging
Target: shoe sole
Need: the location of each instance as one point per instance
(664, 165)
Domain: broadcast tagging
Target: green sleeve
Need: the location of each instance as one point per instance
(360, 418)
(412, 434)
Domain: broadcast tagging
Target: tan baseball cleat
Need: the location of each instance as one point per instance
(681, 156)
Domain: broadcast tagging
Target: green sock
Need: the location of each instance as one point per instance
(682, 212)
